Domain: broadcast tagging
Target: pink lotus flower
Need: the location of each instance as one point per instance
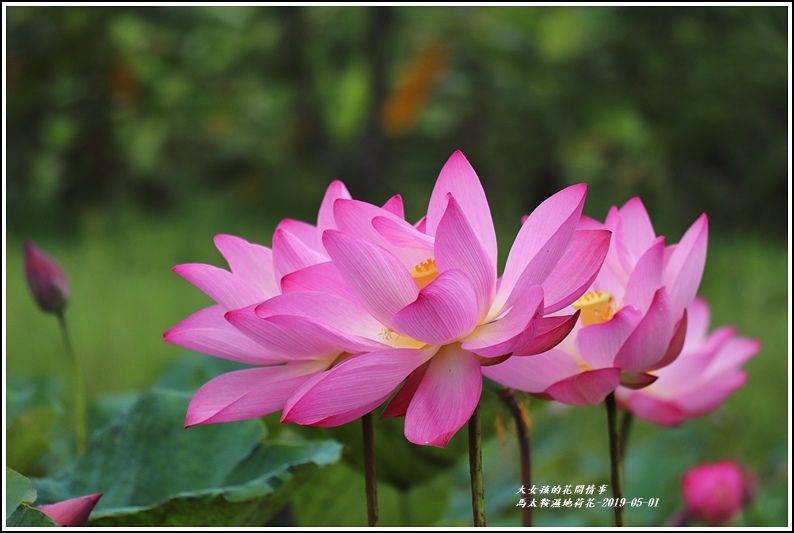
(699, 380)
(283, 359)
(715, 493)
(432, 293)
(73, 512)
(633, 318)
(46, 280)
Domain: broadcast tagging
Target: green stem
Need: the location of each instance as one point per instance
(625, 430)
(475, 469)
(369, 469)
(405, 505)
(614, 457)
(78, 388)
(522, 432)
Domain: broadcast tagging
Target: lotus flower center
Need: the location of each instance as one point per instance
(424, 273)
(596, 307)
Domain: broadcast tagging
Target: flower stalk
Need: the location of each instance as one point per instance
(625, 431)
(371, 484)
(508, 397)
(475, 468)
(78, 388)
(615, 457)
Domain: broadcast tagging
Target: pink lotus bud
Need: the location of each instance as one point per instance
(715, 493)
(46, 279)
(73, 512)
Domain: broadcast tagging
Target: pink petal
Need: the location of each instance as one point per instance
(252, 263)
(444, 311)
(550, 332)
(649, 341)
(458, 246)
(711, 394)
(676, 344)
(733, 354)
(354, 217)
(73, 512)
(207, 331)
(325, 217)
(533, 374)
(400, 233)
(636, 229)
(304, 232)
(587, 388)
(542, 240)
(513, 331)
(248, 393)
(310, 331)
(398, 405)
(292, 340)
(576, 270)
(231, 291)
(458, 178)
(322, 277)
(698, 319)
(652, 409)
(363, 381)
(327, 309)
(378, 278)
(291, 254)
(646, 277)
(446, 397)
(598, 344)
(684, 269)
(394, 205)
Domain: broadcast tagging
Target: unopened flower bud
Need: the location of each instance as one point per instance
(46, 280)
(73, 512)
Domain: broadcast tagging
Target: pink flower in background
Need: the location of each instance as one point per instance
(433, 292)
(46, 280)
(699, 380)
(715, 493)
(73, 512)
(633, 318)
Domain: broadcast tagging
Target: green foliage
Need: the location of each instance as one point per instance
(19, 491)
(26, 516)
(19, 495)
(153, 472)
(148, 105)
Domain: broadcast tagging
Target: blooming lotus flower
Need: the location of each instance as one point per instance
(73, 512)
(283, 360)
(699, 380)
(46, 280)
(715, 493)
(633, 318)
(431, 292)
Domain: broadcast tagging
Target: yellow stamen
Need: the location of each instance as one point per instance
(596, 307)
(424, 273)
(394, 339)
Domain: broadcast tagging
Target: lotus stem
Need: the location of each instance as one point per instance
(522, 432)
(615, 458)
(475, 469)
(78, 388)
(625, 431)
(369, 469)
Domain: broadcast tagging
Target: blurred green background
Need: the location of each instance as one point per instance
(136, 134)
